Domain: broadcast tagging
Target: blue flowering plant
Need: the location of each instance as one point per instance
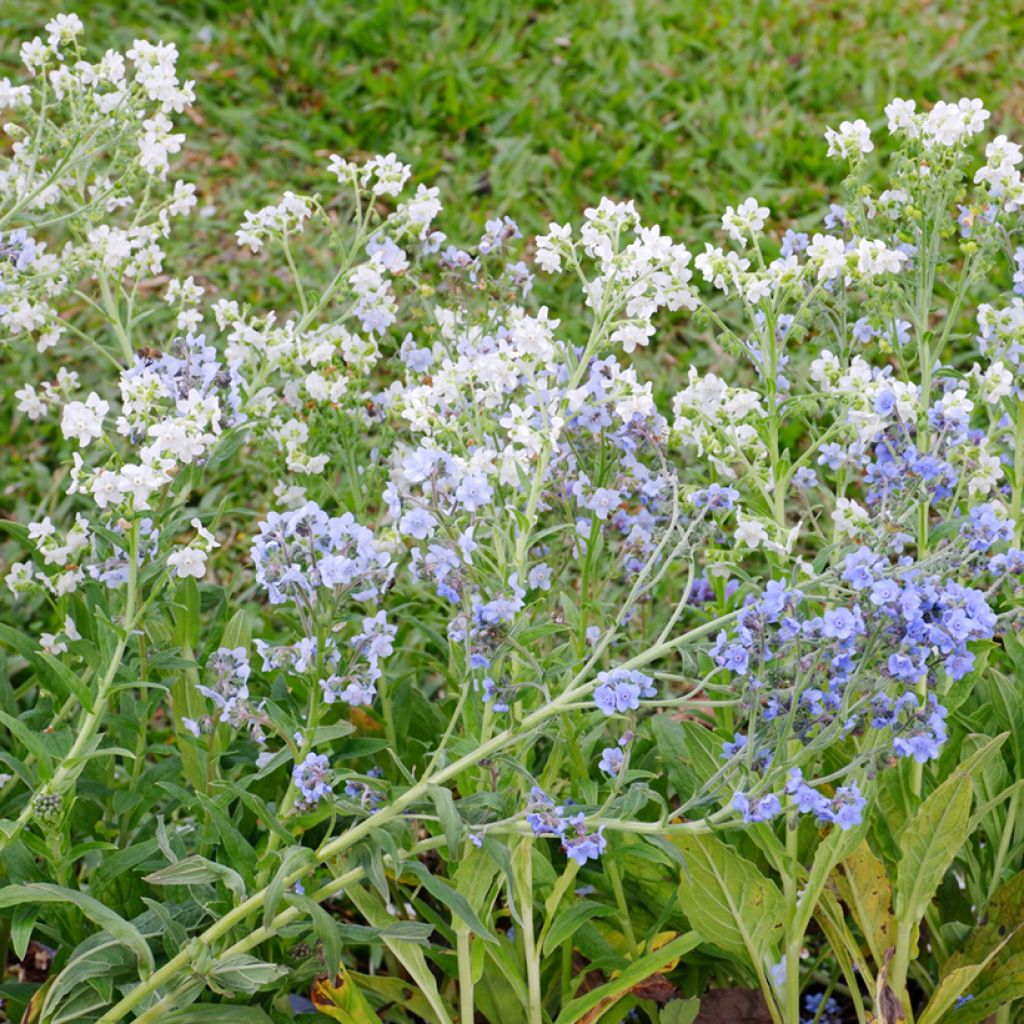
(388, 643)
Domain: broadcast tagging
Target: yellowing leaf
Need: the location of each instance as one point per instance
(341, 1000)
(864, 887)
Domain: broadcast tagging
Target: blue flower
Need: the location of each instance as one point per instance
(473, 493)
(584, 845)
(620, 690)
(310, 776)
(761, 810)
(611, 761)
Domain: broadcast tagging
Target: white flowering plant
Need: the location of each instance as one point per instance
(402, 652)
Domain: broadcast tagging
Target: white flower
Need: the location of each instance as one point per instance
(987, 476)
(63, 29)
(30, 403)
(902, 117)
(51, 645)
(83, 421)
(749, 532)
(553, 246)
(19, 579)
(423, 207)
(632, 333)
(107, 488)
(853, 137)
(389, 173)
(14, 95)
(747, 220)
(34, 54)
(187, 562)
(995, 383)
(204, 539)
(849, 517)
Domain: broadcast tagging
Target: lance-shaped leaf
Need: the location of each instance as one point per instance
(864, 887)
(928, 844)
(728, 901)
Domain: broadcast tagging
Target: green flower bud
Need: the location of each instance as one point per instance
(48, 808)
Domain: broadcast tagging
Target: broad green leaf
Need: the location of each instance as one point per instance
(237, 633)
(727, 900)
(197, 870)
(928, 844)
(843, 947)
(22, 924)
(219, 1014)
(292, 858)
(565, 924)
(679, 1011)
(605, 996)
(326, 928)
(117, 926)
(998, 944)
(450, 820)
(410, 955)
(68, 679)
(31, 742)
(830, 851)
(952, 987)
(21, 642)
(187, 618)
(452, 898)
(241, 973)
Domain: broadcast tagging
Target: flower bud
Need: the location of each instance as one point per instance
(48, 808)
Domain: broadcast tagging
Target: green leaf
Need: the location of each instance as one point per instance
(117, 926)
(69, 682)
(998, 944)
(928, 844)
(21, 642)
(219, 1014)
(292, 858)
(237, 633)
(951, 987)
(31, 742)
(409, 954)
(831, 850)
(187, 619)
(565, 924)
(242, 973)
(196, 870)
(639, 970)
(450, 820)
(727, 900)
(327, 929)
(680, 1011)
(453, 899)
(22, 924)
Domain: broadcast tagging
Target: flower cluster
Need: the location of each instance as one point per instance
(546, 818)
(483, 541)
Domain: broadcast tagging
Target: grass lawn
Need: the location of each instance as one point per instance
(539, 109)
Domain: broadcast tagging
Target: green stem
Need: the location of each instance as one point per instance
(1018, 475)
(464, 951)
(612, 870)
(524, 883)
(71, 765)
